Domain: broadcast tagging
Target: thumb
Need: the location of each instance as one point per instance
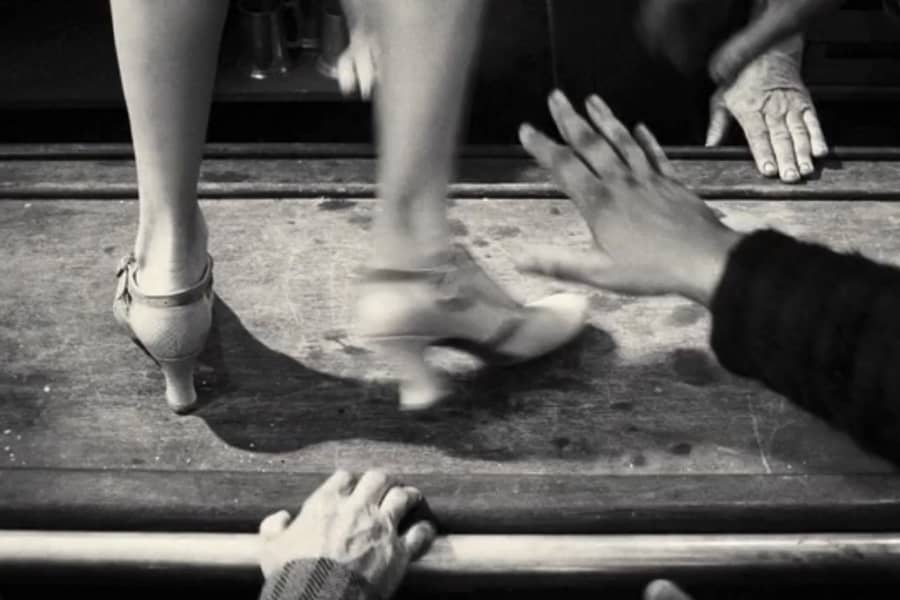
(719, 119)
(580, 267)
(274, 524)
(662, 589)
(418, 538)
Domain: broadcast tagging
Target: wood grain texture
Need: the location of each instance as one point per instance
(286, 171)
(633, 427)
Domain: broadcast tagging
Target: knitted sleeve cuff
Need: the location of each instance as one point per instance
(761, 270)
(317, 579)
(817, 326)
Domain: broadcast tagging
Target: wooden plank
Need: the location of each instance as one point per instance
(550, 560)
(476, 503)
(305, 150)
(646, 429)
(507, 177)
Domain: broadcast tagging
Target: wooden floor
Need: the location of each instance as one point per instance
(632, 428)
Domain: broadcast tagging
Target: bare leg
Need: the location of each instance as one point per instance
(427, 48)
(167, 51)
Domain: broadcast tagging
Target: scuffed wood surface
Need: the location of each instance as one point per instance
(638, 398)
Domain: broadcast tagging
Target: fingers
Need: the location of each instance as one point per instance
(372, 487)
(719, 119)
(801, 141)
(398, 502)
(569, 173)
(590, 146)
(817, 138)
(654, 152)
(356, 71)
(758, 139)
(365, 73)
(340, 483)
(783, 146)
(622, 142)
(587, 268)
(274, 524)
(346, 72)
(662, 589)
(418, 538)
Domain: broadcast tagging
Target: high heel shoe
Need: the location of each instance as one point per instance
(171, 328)
(456, 305)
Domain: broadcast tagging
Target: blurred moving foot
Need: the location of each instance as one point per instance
(457, 305)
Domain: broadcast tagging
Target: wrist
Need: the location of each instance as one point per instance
(707, 269)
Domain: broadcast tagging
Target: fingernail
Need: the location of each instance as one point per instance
(556, 100)
(806, 168)
(525, 130)
(791, 174)
(769, 168)
(597, 102)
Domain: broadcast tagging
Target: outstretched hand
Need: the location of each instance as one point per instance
(651, 235)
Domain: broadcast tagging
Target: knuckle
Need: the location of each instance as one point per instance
(780, 135)
(584, 184)
(619, 136)
(582, 137)
(395, 493)
(757, 135)
(797, 129)
(597, 193)
(560, 159)
(376, 478)
(377, 475)
(314, 505)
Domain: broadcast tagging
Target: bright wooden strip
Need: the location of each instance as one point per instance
(819, 556)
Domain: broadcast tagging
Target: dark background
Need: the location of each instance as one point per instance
(59, 83)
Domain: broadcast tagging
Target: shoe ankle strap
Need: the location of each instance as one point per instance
(127, 272)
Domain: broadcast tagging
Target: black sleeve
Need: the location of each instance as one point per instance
(819, 327)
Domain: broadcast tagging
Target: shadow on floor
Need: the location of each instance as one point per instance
(556, 407)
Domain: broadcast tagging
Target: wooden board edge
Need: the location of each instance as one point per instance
(476, 503)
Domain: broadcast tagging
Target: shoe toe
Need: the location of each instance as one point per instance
(570, 311)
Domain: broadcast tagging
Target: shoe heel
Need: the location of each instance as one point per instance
(421, 385)
(174, 337)
(179, 374)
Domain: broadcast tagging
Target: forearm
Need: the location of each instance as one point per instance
(316, 579)
(791, 46)
(822, 328)
(355, 14)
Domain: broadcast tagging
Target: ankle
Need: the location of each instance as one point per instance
(400, 250)
(168, 261)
